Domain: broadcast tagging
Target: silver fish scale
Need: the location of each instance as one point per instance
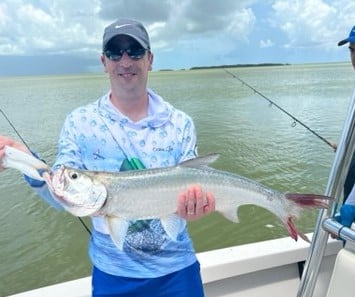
(153, 193)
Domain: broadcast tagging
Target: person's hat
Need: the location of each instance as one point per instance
(351, 38)
(127, 27)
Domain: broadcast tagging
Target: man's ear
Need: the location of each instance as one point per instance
(151, 58)
(103, 61)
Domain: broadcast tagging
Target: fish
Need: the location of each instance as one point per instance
(25, 163)
(152, 194)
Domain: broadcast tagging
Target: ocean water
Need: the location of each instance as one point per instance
(40, 246)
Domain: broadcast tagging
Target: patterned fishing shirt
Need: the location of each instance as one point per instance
(98, 137)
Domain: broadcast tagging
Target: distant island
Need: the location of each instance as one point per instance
(239, 65)
(232, 66)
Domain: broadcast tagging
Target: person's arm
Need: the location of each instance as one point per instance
(347, 210)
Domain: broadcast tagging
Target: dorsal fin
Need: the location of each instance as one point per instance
(200, 162)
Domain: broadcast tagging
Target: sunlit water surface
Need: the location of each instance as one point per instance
(40, 246)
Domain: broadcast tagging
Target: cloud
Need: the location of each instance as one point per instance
(55, 27)
(313, 22)
(49, 27)
(266, 43)
(184, 33)
(147, 11)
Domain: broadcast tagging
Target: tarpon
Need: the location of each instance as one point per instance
(152, 193)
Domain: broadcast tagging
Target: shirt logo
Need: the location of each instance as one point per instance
(121, 26)
(163, 149)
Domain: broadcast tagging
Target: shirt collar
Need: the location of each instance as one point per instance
(159, 112)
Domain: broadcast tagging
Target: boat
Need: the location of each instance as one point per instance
(267, 268)
(278, 267)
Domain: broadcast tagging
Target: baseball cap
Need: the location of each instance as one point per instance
(351, 38)
(127, 27)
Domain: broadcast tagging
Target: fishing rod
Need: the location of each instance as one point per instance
(28, 147)
(332, 145)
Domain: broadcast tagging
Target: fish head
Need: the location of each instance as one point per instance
(77, 191)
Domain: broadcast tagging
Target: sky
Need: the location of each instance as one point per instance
(43, 37)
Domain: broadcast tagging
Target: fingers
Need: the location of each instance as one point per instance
(211, 203)
(7, 141)
(194, 203)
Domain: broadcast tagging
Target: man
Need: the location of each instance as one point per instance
(350, 179)
(131, 127)
(351, 40)
(347, 211)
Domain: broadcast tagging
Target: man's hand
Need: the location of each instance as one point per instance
(194, 203)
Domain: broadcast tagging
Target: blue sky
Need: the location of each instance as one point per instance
(63, 37)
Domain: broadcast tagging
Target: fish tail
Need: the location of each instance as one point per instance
(309, 200)
(293, 231)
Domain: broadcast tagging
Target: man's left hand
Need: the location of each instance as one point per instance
(194, 203)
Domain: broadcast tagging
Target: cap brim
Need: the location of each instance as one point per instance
(342, 42)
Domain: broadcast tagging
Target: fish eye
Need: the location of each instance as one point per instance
(74, 175)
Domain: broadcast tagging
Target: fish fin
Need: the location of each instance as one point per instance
(22, 167)
(293, 231)
(200, 162)
(309, 200)
(118, 229)
(172, 225)
(23, 158)
(230, 214)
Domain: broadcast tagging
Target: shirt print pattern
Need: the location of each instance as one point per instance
(98, 137)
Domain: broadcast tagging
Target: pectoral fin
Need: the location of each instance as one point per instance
(172, 225)
(118, 229)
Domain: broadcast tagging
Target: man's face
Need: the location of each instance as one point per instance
(127, 63)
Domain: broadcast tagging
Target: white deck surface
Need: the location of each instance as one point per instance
(266, 268)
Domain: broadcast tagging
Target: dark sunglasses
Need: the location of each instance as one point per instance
(135, 53)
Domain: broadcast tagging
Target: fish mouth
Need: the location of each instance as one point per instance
(55, 184)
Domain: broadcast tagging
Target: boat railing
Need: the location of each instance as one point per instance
(336, 180)
(340, 231)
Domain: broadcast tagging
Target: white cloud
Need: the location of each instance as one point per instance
(312, 23)
(199, 30)
(266, 43)
(53, 27)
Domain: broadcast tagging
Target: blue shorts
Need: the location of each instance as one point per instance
(184, 283)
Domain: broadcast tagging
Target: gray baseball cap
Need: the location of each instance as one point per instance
(127, 27)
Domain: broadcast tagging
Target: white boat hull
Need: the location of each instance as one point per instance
(268, 268)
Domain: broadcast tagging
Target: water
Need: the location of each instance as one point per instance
(40, 246)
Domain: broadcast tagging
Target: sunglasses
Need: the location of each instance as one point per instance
(135, 53)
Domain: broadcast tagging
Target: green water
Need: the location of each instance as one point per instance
(40, 246)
